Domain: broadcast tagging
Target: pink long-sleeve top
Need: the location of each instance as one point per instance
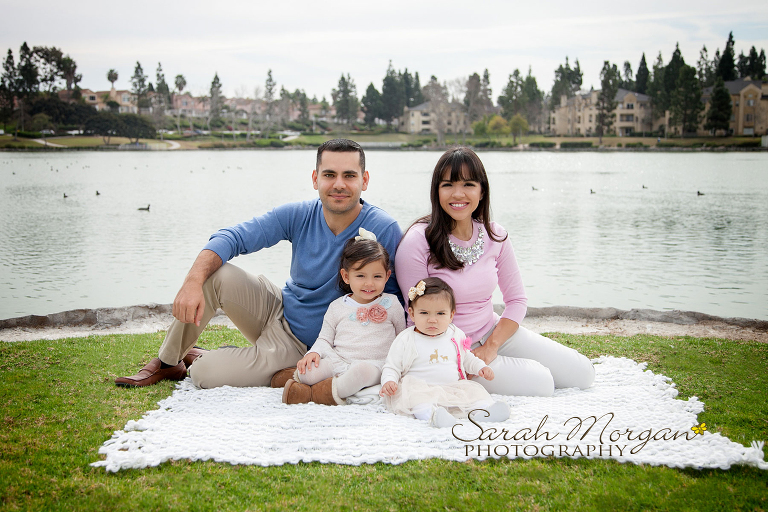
(473, 285)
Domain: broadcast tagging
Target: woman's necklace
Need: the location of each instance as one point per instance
(469, 255)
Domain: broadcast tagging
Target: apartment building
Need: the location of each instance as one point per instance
(749, 115)
(578, 115)
(422, 119)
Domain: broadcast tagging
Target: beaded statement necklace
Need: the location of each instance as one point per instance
(470, 255)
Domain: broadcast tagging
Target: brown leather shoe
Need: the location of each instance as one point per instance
(152, 374)
(193, 354)
(323, 393)
(296, 392)
(280, 378)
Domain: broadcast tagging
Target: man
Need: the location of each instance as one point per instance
(279, 325)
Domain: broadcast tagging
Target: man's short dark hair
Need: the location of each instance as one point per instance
(340, 146)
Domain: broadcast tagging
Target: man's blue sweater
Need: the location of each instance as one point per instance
(316, 253)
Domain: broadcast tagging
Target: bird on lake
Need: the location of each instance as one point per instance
(534, 188)
(97, 193)
(65, 195)
(592, 191)
(699, 193)
(144, 209)
(644, 186)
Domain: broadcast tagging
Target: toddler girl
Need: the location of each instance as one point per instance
(433, 360)
(357, 331)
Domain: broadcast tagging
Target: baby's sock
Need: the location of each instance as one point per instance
(441, 418)
(497, 411)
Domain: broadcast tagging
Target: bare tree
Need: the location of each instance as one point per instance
(437, 95)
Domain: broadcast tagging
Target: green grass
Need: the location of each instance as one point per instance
(59, 404)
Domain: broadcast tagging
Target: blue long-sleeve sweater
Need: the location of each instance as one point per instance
(316, 252)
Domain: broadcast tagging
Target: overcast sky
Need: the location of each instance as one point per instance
(309, 44)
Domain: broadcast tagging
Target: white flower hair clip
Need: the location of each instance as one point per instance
(417, 291)
(365, 235)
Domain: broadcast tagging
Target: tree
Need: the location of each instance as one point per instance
(512, 100)
(485, 90)
(371, 105)
(161, 100)
(140, 88)
(480, 127)
(105, 124)
(686, 102)
(69, 73)
(518, 125)
(345, 100)
(606, 100)
(136, 127)
(269, 103)
(704, 70)
(392, 96)
(300, 97)
(28, 81)
(437, 95)
(671, 74)
(498, 126)
(742, 65)
(641, 78)
(9, 84)
(180, 82)
(726, 67)
(473, 100)
(534, 102)
(112, 77)
(719, 113)
(215, 102)
(48, 62)
(628, 82)
(656, 91)
(567, 82)
(756, 64)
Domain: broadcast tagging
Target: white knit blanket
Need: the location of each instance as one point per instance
(633, 413)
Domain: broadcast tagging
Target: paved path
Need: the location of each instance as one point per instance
(46, 143)
(174, 144)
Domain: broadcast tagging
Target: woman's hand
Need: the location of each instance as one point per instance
(486, 352)
(311, 357)
(486, 373)
(388, 389)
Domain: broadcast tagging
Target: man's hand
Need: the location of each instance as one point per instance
(486, 373)
(189, 304)
(311, 357)
(388, 389)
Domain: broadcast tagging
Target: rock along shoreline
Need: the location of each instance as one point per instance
(147, 318)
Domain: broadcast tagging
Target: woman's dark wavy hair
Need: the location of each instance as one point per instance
(435, 286)
(462, 164)
(360, 253)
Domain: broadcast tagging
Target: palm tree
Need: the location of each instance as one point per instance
(180, 83)
(112, 77)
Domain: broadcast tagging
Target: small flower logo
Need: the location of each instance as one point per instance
(377, 314)
(362, 315)
(699, 429)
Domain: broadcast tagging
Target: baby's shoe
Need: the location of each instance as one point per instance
(441, 418)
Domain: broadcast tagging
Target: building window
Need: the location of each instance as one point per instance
(590, 118)
(737, 103)
(630, 106)
(748, 118)
(750, 103)
(578, 119)
(425, 122)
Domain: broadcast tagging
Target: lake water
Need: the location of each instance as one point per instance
(662, 247)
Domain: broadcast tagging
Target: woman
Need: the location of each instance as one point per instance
(458, 243)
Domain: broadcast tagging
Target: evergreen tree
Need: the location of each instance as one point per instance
(628, 81)
(418, 95)
(48, 62)
(756, 64)
(392, 96)
(641, 78)
(567, 82)
(534, 102)
(606, 100)
(161, 87)
(686, 105)
(345, 100)
(719, 113)
(269, 103)
(742, 65)
(371, 105)
(473, 100)
(486, 92)
(671, 74)
(9, 84)
(215, 101)
(512, 100)
(704, 69)
(140, 88)
(29, 79)
(726, 67)
(303, 104)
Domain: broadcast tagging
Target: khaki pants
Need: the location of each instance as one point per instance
(255, 306)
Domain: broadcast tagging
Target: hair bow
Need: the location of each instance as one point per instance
(417, 291)
(365, 235)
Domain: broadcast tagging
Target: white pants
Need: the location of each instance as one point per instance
(529, 364)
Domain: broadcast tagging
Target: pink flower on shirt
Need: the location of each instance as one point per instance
(362, 314)
(377, 314)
